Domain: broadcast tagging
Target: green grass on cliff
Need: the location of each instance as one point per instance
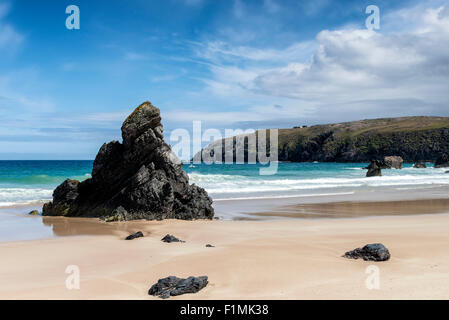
(412, 138)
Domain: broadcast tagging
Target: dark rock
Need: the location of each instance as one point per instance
(209, 246)
(392, 162)
(140, 178)
(119, 214)
(63, 197)
(34, 213)
(370, 252)
(169, 238)
(138, 234)
(420, 165)
(374, 169)
(174, 286)
(442, 161)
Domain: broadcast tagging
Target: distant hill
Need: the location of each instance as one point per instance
(412, 138)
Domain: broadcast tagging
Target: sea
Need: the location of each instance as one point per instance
(33, 182)
(239, 191)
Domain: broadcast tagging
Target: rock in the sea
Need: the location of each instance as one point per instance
(140, 178)
(374, 169)
(420, 165)
(370, 252)
(442, 161)
(34, 213)
(393, 162)
(174, 286)
(169, 238)
(138, 234)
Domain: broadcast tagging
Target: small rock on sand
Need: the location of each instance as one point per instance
(138, 234)
(174, 286)
(169, 238)
(370, 252)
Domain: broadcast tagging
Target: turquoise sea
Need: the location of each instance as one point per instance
(32, 182)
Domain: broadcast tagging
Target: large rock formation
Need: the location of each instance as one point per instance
(442, 161)
(394, 162)
(140, 178)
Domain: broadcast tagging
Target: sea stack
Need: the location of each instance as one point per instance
(140, 178)
(394, 162)
(374, 169)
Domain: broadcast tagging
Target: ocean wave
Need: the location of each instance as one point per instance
(225, 184)
(24, 195)
(198, 177)
(23, 203)
(289, 196)
(41, 179)
(247, 183)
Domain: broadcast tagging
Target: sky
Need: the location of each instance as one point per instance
(227, 63)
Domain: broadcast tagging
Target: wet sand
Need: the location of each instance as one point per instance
(350, 209)
(293, 255)
(285, 259)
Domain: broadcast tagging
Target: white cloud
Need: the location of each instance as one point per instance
(397, 71)
(10, 39)
(218, 50)
(4, 9)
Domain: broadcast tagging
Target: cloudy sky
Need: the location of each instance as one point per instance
(228, 63)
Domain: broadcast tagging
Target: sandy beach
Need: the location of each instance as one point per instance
(271, 259)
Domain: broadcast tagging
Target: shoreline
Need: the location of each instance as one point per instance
(245, 252)
(17, 225)
(271, 245)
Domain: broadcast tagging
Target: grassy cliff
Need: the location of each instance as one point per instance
(412, 138)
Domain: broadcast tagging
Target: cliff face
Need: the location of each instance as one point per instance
(140, 178)
(412, 138)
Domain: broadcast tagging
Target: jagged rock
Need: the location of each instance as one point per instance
(169, 238)
(209, 246)
(392, 162)
(34, 213)
(442, 161)
(138, 234)
(63, 197)
(374, 169)
(140, 178)
(174, 286)
(370, 252)
(119, 214)
(420, 165)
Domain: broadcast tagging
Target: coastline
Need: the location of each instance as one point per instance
(285, 259)
(17, 225)
(279, 248)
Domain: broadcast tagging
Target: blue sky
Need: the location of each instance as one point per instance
(227, 63)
